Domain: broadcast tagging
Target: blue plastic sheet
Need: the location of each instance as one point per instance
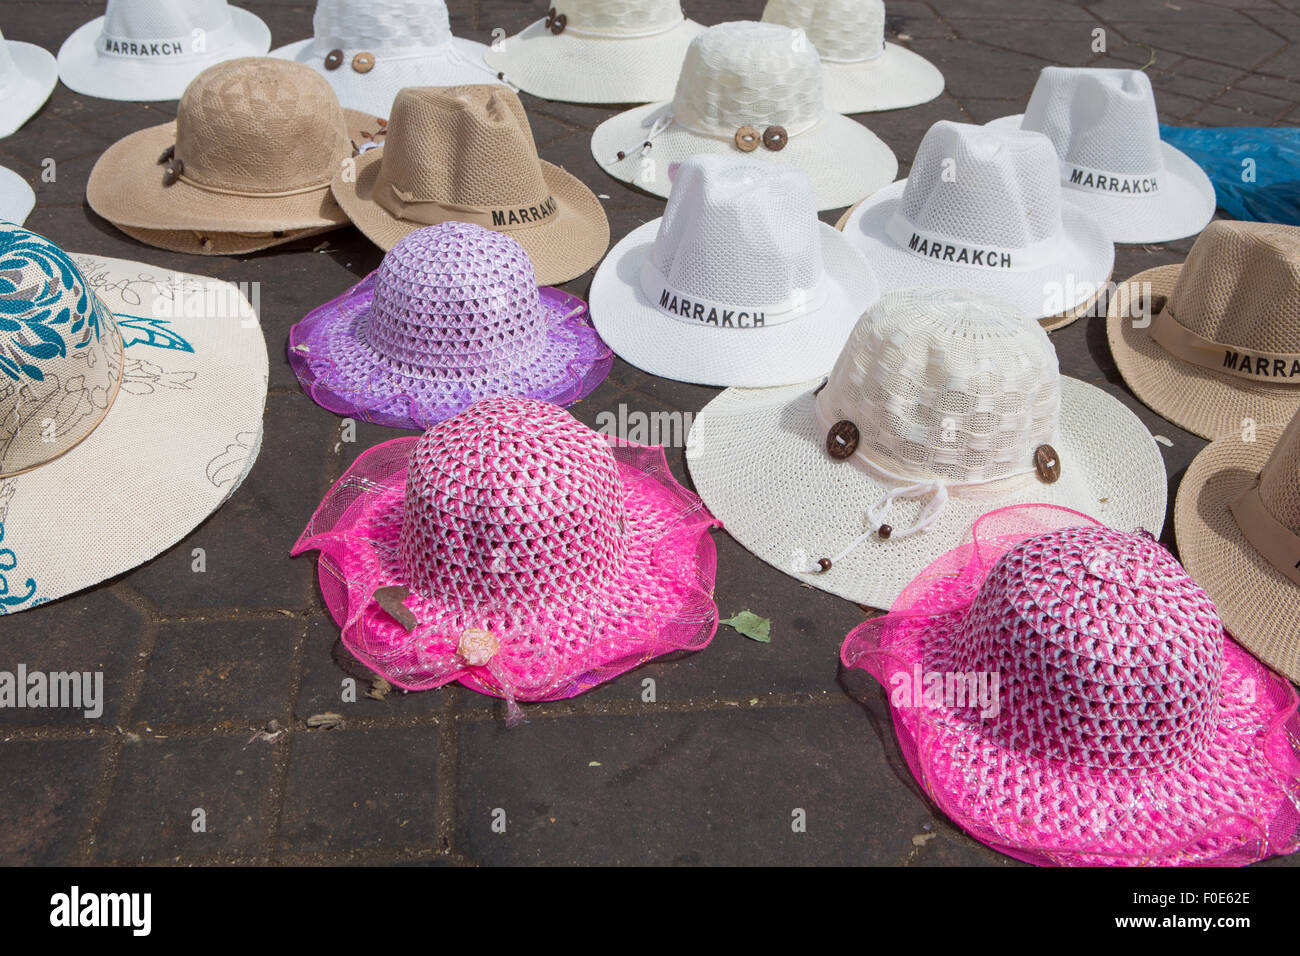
(1231, 154)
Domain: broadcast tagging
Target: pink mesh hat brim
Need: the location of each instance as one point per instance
(1239, 802)
(343, 373)
(661, 602)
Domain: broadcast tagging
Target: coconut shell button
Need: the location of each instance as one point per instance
(775, 138)
(333, 59)
(747, 139)
(842, 440)
(1047, 463)
(363, 62)
(173, 171)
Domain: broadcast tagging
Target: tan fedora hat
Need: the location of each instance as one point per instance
(246, 165)
(1237, 520)
(1218, 341)
(466, 154)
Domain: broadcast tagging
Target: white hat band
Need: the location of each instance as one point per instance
(199, 42)
(1074, 176)
(928, 245)
(693, 310)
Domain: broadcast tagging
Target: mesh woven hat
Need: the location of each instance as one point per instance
(28, 75)
(370, 49)
(1104, 126)
(599, 51)
(861, 72)
(942, 406)
(1216, 340)
(130, 408)
(747, 88)
(246, 165)
(516, 551)
(466, 153)
(146, 50)
(737, 284)
(1066, 694)
(16, 197)
(452, 315)
(981, 210)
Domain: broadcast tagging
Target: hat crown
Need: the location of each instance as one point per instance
(163, 19)
(464, 145)
(61, 359)
(260, 125)
(947, 385)
(847, 30)
(1098, 119)
(1279, 482)
(979, 184)
(456, 298)
(748, 74)
(513, 503)
(739, 231)
(1108, 654)
(380, 25)
(1240, 286)
(619, 16)
(7, 67)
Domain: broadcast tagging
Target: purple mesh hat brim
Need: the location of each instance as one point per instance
(341, 372)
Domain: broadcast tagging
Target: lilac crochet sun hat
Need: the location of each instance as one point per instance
(452, 315)
(516, 551)
(1103, 716)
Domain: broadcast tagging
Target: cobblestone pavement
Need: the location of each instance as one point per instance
(741, 736)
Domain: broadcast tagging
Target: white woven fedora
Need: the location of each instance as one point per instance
(16, 197)
(370, 49)
(599, 51)
(751, 88)
(981, 210)
(1104, 126)
(147, 50)
(943, 406)
(28, 75)
(737, 284)
(131, 406)
(862, 72)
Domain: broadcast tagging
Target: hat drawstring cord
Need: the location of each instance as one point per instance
(661, 124)
(938, 492)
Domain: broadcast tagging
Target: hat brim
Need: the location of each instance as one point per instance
(785, 354)
(1259, 605)
(844, 159)
(758, 459)
(1080, 271)
(38, 74)
(1183, 207)
(661, 601)
(896, 79)
(17, 200)
(591, 69)
(84, 71)
(1204, 401)
(209, 243)
(341, 372)
(457, 63)
(562, 248)
(179, 438)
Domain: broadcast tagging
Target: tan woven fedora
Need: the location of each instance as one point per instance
(246, 165)
(1218, 340)
(1237, 519)
(466, 154)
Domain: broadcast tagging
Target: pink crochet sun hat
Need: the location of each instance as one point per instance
(452, 315)
(1103, 717)
(516, 551)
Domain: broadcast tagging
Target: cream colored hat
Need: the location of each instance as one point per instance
(28, 75)
(1216, 340)
(16, 197)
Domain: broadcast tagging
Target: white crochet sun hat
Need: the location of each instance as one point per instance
(149, 50)
(747, 88)
(599, 51)
(943, 406)
(981, 210)
(16, 197)
(862, 72)
(28, 75)
(1113, 163)
(737, 284)
(370, 49)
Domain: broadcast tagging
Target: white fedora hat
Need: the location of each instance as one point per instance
(1113, 163)
(747, 88)
(131, 405)
(28, 75)
(862, 72)
(370, 49)
(942, 407)
(737, 284)
(981, 210)
(148, 50)
(16, 197)
(599, 51)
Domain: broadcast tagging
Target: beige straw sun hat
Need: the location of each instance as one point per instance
(1217, 340)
